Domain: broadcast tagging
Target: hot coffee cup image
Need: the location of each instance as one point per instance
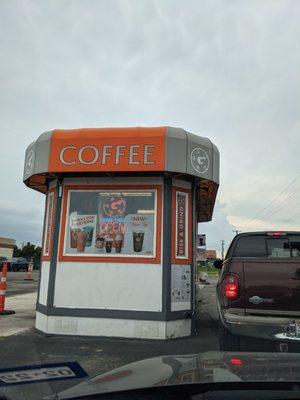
(81, 240)
(108, 245)
(138, 240)
(89, 235)
(118, 242)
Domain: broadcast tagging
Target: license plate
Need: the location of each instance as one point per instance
(40, 373)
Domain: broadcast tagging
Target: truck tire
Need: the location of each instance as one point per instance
(228, 341)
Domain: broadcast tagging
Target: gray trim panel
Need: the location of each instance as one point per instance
(176, 143)
(167, 218)
(54, 253)
(105, 313)
(194, 261)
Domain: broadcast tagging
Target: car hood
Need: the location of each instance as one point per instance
(194, 368)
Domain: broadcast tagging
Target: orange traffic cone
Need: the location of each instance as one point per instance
(3, 279)
(29, 273)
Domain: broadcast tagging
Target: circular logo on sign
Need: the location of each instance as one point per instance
(199, 160)
(114, 206)
(29, 162)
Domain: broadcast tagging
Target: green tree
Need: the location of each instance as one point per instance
(37, 256)
(28, 250)
(17, 251)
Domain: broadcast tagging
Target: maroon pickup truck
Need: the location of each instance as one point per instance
(258, 292)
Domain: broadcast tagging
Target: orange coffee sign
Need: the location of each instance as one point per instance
(108, 149)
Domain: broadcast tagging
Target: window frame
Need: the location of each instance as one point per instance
(187, 259)
(141, 259)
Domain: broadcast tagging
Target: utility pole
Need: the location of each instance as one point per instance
(222, 243)
(236, 231)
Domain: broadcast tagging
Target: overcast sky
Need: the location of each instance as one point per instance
(228, 70)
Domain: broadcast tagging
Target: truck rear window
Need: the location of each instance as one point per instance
(265, 246)
(295, 245)
(278, 248)
(251, 246)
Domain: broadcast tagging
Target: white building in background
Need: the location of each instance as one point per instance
(6, 247)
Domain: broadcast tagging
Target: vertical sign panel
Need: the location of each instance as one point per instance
(49, 223)
(181, 201)
(181, 226)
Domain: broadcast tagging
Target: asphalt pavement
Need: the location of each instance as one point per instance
(98, 355)
(16, 283)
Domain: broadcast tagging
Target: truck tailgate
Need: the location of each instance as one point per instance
(272, 286)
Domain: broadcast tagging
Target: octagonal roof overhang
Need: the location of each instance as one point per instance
(125, 150)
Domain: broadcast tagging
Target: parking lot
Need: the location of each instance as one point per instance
(16, 283)
(19, 341)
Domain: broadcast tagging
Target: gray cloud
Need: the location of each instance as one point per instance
(218, 229)
(224, 69)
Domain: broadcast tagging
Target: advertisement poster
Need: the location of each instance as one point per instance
(181, 285)
(181, 225)
(49, 223)
(82, 233)
(114, 230)
(111, 226)
(139, 234)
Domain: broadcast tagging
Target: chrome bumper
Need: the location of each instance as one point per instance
(263, 327)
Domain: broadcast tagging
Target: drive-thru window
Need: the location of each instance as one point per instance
(121, 213)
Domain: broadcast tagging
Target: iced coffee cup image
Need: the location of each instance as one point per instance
(100, 243)
(81, 240)
(118, 242)
(108, 244)
(89, 230)
(73, 238)
(138, 240)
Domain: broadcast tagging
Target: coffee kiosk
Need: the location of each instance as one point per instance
(121, 214)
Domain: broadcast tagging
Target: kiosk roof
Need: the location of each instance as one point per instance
(137, 149)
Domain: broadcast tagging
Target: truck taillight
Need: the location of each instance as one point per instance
(230, 287)
(236, 361)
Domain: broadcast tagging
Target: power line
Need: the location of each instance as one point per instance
(277, 208)
(274, 200)
(274, 209)
(289, 220)
(294, 216)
